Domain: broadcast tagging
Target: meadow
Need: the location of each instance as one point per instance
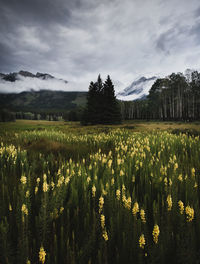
(99, 194)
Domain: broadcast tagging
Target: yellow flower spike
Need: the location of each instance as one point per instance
(93, 191)
(109, 163)
(105, 235)
(118, 194)
(102, 221)
(42, 255)
(142, 241)
(181, 206)
(135, 209)
(142, 215)
(88, 179)
(45, 187)
(38, 180)
(61, 209)
(101, 203)
(24, 209)
(189, 213)
(155, 233)
(23, 179)
(193, 172)
(175, 166)
(180, 177)
(36, 190)
(169, 202)
(10, 207)
(121, 173)
(44, 177)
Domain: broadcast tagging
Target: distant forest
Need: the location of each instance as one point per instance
(175, 97)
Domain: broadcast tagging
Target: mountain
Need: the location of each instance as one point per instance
(138, 89)
(42, 101)
(15, 76)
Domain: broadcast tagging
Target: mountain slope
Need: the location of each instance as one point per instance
(42, 101)
(137, 90)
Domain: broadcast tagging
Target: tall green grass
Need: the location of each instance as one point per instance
(96, 198)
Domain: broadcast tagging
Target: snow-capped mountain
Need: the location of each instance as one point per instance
(15, 76)
(21, 81)
(137, 90)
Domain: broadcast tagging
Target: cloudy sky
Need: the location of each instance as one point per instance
(78, 39)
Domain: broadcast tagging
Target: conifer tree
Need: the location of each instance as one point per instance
(102, 106)
(111, 110)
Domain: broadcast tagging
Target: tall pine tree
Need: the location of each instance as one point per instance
(102, 106)
(111, 109)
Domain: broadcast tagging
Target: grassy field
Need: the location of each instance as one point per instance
(99, 194)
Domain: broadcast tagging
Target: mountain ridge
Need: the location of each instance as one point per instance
(14, 76)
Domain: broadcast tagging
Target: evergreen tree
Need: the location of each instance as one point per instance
(111, 109)
(102, 106)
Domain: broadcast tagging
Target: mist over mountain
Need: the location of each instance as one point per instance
(138, 89)
(21, 81)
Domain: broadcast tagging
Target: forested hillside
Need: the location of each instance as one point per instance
(42, 104)
(176, 97)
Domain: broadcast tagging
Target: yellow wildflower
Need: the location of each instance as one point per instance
(105, 235)
(170, 182)
(24, 209)
(45, 187)
(112, 181)
(155, 233)
(181, 206)
(180, 178)
(189, 213)
(175, 166)
(109, 163)
(142, 241)
(36, 189)
(193, 172)
(127, 203)
(118, 194)
(102, 221)
(169, 202)
(67, 180)
(44, 177)
(101, 203)
(61, 209)
(88, 179)
(93, 191)
(42, 255)
(23, 179)
(121, 173)
(38, 180)
(135, 209)
(10, 207)
(142, 215)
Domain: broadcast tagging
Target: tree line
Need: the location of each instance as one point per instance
(175, 97)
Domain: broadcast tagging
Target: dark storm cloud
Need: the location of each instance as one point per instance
(78, 39)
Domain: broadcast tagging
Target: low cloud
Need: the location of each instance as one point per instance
(80, 39)
(28, 84)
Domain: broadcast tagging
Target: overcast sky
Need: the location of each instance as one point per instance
(78, 39)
